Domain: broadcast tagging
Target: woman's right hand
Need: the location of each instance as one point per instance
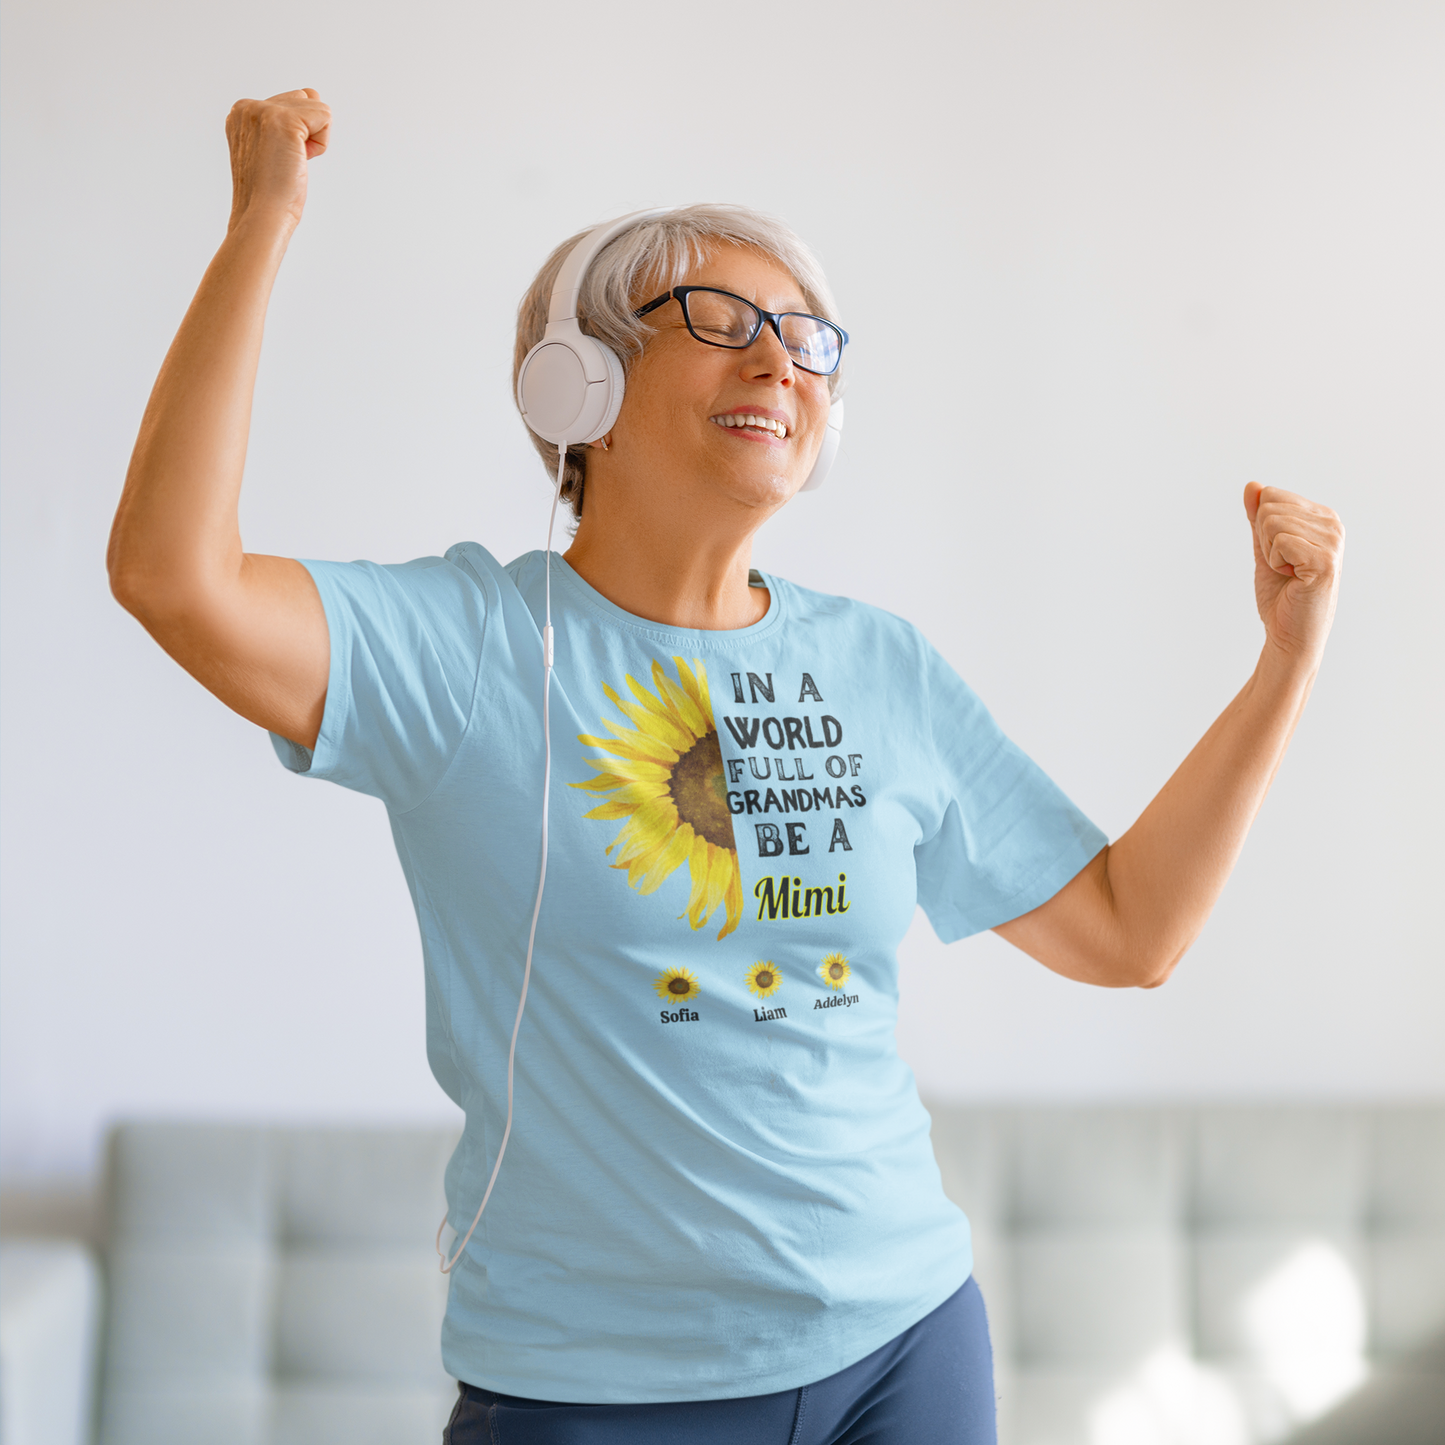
(271, 143)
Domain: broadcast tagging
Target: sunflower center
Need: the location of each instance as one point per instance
(700, 794)
(678, 986)
(764, 979)
(835, 970)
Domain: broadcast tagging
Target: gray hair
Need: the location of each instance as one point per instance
(653, 257)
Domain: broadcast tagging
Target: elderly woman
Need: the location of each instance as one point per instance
(720, 1219)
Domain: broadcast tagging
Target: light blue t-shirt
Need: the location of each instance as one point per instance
(719, 1181)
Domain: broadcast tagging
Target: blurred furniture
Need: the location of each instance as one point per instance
(274, 1287)
(49, 1328)
(1209, 1276)
(1190, 1276)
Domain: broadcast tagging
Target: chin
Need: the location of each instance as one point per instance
(761, 489)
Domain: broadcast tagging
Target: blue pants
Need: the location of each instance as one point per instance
(932, 1385)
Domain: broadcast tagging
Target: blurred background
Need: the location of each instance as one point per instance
(1103, 263)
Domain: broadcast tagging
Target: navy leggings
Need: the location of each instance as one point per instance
(933, 1383)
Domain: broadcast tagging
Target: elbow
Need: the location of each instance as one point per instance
(1133, 973)
(136, 590)
(1156, 970)
(1120, 967)
(1136, 966)
(155, 595)
(125, 585)
(126, 575)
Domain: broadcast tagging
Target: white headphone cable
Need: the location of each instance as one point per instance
(548, 653)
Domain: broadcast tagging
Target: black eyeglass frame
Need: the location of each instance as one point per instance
(771, 318)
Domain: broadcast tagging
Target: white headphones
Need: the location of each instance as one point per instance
(570, 385)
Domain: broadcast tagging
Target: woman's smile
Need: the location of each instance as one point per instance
(750, 424)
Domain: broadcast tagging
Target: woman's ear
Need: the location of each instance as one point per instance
(604, 442)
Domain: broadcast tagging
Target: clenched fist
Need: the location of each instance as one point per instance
(1298, 549)
(271, 142)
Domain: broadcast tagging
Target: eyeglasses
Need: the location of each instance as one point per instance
(718, 318)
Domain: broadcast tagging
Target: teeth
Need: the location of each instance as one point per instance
(758, 423)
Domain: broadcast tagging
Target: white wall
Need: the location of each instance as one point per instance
(1104, 262)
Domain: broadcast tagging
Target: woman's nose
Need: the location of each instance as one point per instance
(767, 359)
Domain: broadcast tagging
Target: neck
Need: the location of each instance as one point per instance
(664, 565)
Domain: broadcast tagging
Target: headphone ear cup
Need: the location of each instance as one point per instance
(569, 388)
(616, 385)
(832, 435)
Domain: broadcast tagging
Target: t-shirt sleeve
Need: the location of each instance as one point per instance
(1008, 838)
(406, 645)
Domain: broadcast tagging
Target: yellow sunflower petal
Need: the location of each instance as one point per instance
(733, 898)
(638, 865)
(616, 773)
(719, 866)
(639, 793)
(694, 684)
(642, 863)
(657, 725)
(632, 841)
(653, 702)
(648, 828)
(630, 744)
(639, 771)
(609, 810)
(685, 707)
(667, 861)
(603, 783)
(698, 867)
(664, 732)
(704, 697)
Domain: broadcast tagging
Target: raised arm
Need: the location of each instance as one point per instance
(1131, 915)
(248, 627)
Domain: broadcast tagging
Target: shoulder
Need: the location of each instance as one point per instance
(451, 595)
(891, 656)
(855, 623)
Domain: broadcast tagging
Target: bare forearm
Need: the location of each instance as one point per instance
(1163, 877)
(1132, 913)
(176, 531)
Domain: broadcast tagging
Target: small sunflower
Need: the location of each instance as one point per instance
(665, 777)
(764, 979)
(834, 970)
(676, 985)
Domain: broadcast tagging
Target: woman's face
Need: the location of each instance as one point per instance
(682, 396)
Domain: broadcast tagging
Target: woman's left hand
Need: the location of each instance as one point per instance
(1298, 548)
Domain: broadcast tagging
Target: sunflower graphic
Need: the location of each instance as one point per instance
(676, 985)
(665, 777)
(764, 979)
(834, 970)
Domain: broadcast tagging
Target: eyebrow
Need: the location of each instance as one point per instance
(802, 303)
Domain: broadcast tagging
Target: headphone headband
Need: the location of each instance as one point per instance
(567, 288)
